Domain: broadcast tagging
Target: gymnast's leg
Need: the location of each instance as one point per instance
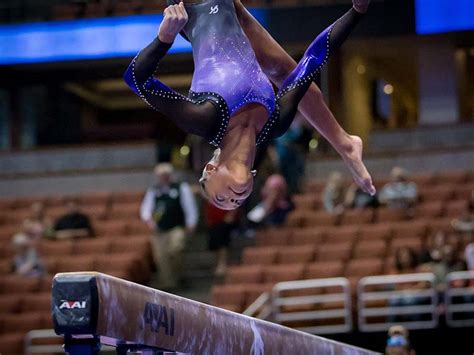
(277, 65)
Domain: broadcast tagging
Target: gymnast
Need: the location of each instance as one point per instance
(232, 103)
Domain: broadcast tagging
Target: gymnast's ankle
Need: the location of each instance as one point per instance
(360, 6)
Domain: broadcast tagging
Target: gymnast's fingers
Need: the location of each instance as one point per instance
(172, 12)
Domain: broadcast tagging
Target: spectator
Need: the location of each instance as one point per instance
(169, 209)
(220, 224)
(357, 198)
(275, 203)
(405, 261)
(433, 250)
(37, 223)
(398, 342)
(399, 193)
(465, 223)
(26, 261)
(334, 194)
(74, 224)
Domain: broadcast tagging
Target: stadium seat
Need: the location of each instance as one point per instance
(464, 192)
(76, 263)
(315, 186)
(6, 266)
(125, 211)
(376, 232)
(136, 227)
(357, 216)
(127, 197)
(456, 208)
(56, 248)
(253, 291)
(342, 234)
(38, 302)
(140, 245)
(370, 249)
(230, 297)
(7, 233)
(22, 322)
(296, 254)
(17, 284)
(432, 209)
(305, 236)
(306, 202)
(319, 218)
(244, 274)
(336, 251)
(320, 270)
(422, 180)
(280, 273)
(364, 267)
(410, 229)
(98, 198)
(398, 243)
(92, 246)
(11, 343)
(440, 224)
(274, 237)
(126, 262)
(111, 229)
(451, 177)
(9, 304)
(259, 256)
(386, 214)
(436, 193)
(295, 218)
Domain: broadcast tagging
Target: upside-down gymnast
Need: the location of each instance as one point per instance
(232, 103)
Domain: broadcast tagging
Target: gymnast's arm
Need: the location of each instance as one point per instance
(139, 75)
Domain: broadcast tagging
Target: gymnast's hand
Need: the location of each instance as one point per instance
(175, 18)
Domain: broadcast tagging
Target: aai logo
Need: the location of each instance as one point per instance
(73, 305)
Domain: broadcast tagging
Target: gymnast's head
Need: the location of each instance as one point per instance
(226, 185)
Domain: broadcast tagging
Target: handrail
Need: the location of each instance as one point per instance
(316, 303)
(460, 299)
(260, 308)
(415, 308)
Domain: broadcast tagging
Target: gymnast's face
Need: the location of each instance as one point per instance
(226, 189)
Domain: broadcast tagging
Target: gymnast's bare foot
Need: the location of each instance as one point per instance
(361, 5)
(352, 156)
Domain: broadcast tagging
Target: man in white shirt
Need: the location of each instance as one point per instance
(169, 209)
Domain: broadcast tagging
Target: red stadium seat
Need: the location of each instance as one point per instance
(398, 243)
(295, 218)
(336, 251)
(125, 211)
(342, 234)
(296, 254)
(244, 274)
(259, 256)
(376, 232)
(12, 343)
(111, 229)
(56, 248)
(386, 214)
(76, 263)
(134, 197)
(320, 270)
(231, 297)
(422, 180)
(456, 208)
(39, 302)
(23, 322)
(305, 236)
(274, 237)
(410, 229)
(9, 304)
(464, 192)
(18, 284)
(98, 198)
(437, 193)
(254, 291)
(364, 267)
(370, 249)
(92, 246)
(319, 218)
(306, 202)
(279, 273)
(358, 216)
(431, 209)
(6, 266)
(451, 177)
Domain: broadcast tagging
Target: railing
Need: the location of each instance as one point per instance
(318, 306)
(260, 308)
(460, 299)
(410, 300)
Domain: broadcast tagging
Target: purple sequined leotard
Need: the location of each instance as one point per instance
(227, 75)
(224, 60)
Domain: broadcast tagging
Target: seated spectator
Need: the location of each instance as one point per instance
(220, 224)
(334, 194)
(398, 342)
(275, 204)
(406, 261)
(399, 193)
(26, 261)
(38, 223)
(357, 198)
(74, 224)
(465, 223)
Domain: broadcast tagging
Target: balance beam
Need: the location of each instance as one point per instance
(90, 309)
